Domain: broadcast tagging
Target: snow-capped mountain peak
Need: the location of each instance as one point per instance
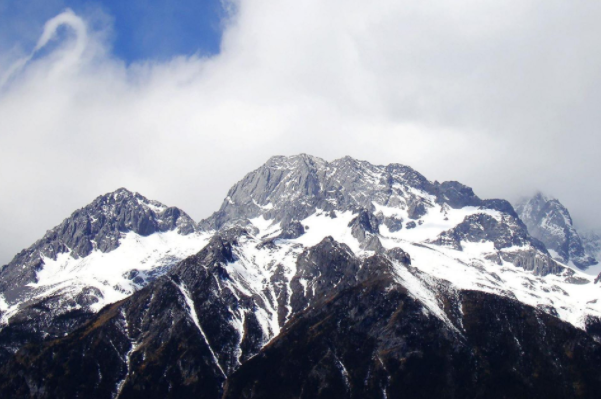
(289, 237)
(100, 254)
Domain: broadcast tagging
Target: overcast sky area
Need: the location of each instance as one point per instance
(180, 102)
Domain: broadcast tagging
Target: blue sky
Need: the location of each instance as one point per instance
(141, 29)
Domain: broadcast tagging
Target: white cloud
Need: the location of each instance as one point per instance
(499, 95)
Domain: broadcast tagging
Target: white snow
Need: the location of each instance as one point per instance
(134, 347)
(156, 208)
(263, 207)
(467, 269)
(266, 227)
(436, 221)
(343, 372)
(194, 316)
(470, 271)
(3, 305)
(418, 289)
(320, 225)
(108, 271)
(554, 254)
(251, 273)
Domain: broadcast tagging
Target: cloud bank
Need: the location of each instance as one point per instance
(501, 96)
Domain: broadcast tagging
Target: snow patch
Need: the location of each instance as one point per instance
(266, 227)
(469, 270)
(320, 225)
(436, 221)
(3, 304)
(194, 316)
(109, 272)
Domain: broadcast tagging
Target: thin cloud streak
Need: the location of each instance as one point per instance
(498, 95)
(67, 18)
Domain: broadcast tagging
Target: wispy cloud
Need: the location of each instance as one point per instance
(68, 58)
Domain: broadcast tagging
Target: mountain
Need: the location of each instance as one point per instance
(549, 221)
(325, 279)
(100, 254)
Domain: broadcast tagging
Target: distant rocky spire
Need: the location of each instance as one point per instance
(549, 221)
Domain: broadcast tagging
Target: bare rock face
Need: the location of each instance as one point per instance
(399, 255)
(292, 188)
(533, 261)
(326, 267)
(550, 222)
(505, 233)
(482, 227)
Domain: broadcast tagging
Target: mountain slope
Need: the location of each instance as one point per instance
(100, 254)
(364, 329)
(299, 245)
(376, 341)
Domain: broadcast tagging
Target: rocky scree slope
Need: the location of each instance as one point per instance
(292, 246)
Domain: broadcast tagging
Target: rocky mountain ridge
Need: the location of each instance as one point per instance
(395, 197)
(304, 260)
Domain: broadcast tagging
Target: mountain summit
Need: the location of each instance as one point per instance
(384, 202)
(100, 254)
(314, 279)
(549, 221)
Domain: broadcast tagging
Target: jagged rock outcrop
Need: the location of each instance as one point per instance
(549, 221)
(504, 232)
(482, 227)
(173, 338)
(188, 329)
(399, 255)
(99, 225)
(292, 188)
(534, 262)
(591, 240)
(326, 267)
